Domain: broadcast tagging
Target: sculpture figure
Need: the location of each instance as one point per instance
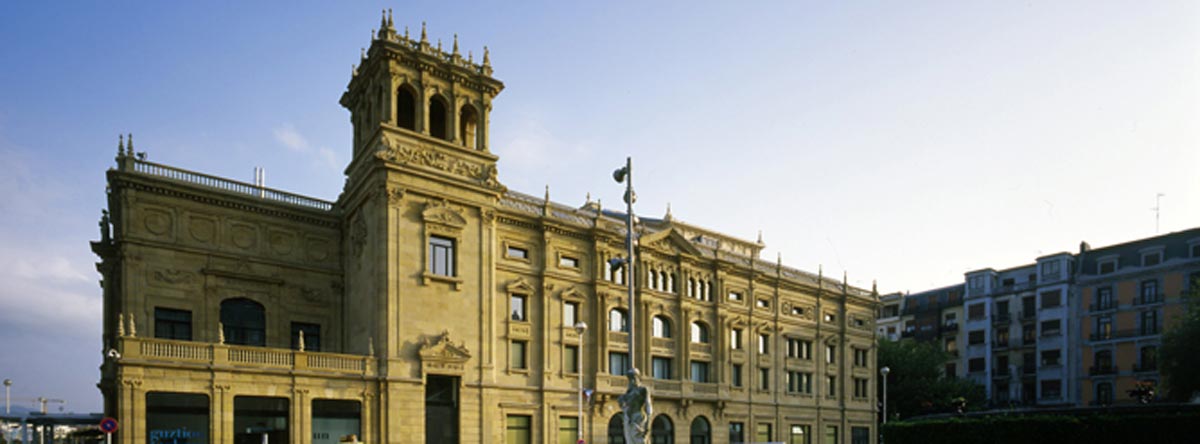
(635, 404)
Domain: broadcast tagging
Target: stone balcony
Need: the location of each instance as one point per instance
(205, 355)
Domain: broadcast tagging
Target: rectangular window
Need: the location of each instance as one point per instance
(568, 262)
(177, 417)
(312, 336)
(831, 435)
(170, 323)
(735, 296)
(699, 371)
(1028, 334)
(1001, 337)
(860, 435)
(618, 363)
(764, 344)
(830, 317)
(951, 370)
(570, 314)
(735, 339)
(763, 434)
(1149, 321)
(1151, 259)
(1103, 328)
(519, 429)
(517, 253)
(1051, 357)
(441, 256)
(830, 354)
(571, 359)
(255, 416)
(976, 311)
(860, 357)
(1051, 299)
(799, 348)
(1107, 267)
(518, 307)
(975, 337)
(763, 303)
(1104, 299)
(860, 388)
(1051, 389)
(735, 375)
(976, 365)
(764, 379)
(568, 429)
(801, 434)
(1051, 327)
(952, 345)
(517, 355)
(799, 382)
(1149, 293)
(737, 432)
(661, 367)
(830, 386)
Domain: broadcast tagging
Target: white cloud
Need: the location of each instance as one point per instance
(42, 290)
(290, 138)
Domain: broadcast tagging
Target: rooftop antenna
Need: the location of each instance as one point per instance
(1157, 210)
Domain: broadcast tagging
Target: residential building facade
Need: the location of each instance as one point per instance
(429, 303)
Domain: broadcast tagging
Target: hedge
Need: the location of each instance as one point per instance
(1156, 427)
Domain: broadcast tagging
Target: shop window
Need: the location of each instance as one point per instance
(335, 420)
(259, 419)
(177, 418)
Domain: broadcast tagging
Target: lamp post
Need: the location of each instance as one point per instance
(580, 328)
(625, 174)
(884, 371)
(7, 385)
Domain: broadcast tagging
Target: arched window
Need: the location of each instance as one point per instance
(468, 124)
(406, 108)
(244, 322)
(699, 333)
(616, 429)
(662, 431)
(701, 431)
(662, 327)
(616, 320)
(437, 118)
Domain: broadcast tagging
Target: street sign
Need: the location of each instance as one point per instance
(108, 425)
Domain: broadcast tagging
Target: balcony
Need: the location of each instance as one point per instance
(1028, 314)
(1145, 368)
(1121, 334)
(1002, 318)
(1097, 370)
(1000, 345)
(948, 327)
(1028, 370)
(1102, 306)
(205, 355)
(1149, 299)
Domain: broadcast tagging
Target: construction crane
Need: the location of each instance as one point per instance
(44, 401)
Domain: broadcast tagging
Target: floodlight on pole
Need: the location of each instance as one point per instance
(580, 329)
(884, 371)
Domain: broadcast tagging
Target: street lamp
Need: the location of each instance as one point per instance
(7, 384)
(580, 328)
(884, 371)
(625, 175)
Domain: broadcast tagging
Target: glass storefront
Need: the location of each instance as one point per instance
(177, 418)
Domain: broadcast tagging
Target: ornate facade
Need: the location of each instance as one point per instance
(431, 304)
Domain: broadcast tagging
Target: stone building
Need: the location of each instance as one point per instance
(431, 304)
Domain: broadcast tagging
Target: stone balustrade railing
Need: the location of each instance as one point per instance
(187, 352)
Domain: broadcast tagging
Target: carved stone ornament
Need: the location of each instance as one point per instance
(358, 235)
(169, 276)
(479, 173)
(395, 195)
(439, 212)
(439, 355)
(519, 286)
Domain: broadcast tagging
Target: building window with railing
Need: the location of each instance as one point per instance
(1148, 359)
(1102, 362)
(975, 337)
(1051, 357)
(244, 322)
(1149, 292)
(1001, 337)
(1104, 298)
(1052, 327)
(170, 323)
(1104, 328)
(1052, 389)
(976, 311)
(312, 336)
(1149, 322)
(1104, 393)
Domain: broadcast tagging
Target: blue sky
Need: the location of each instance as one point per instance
(907, 142)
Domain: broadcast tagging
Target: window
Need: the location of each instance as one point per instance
(1028, 307)
(1103, 328)
(860, 357)
(952, 345)
(244, 322)
(763, 434)
(699, 371)
(976, 282)
(831, 435)
(1028, 334)
(735, 375)
(1052, 327)
(406, 109)
(799, 348)
(661, 367)
(571, 359)
(1051, 357)
(517, 253)
(333, 418)
(701, 432)
(860, 435)
(1149, 294)
(1149, 359)
(860, 388)
(763, 303)
(517, 355)
(764, 379)
(735, 339)
(736, 432)
(699, 333)
(175, 414)
(1104, 299)
(1051, 389)
(764, 344)
(618, 363)
(441, 256)
(1149, 322)
(975, 337)
(735, 296)
(1104, 393)
(830, 354)
(519, 429)
(616, 429)
(1108, 266)
(1050, 268)
(312, 336)
(830, 386)
(437, 118)
(570, 314)
(1001, 337)
(170, 323)
(976, 365)
(616, 321)
(799, 382)
(1051, 299)
(568, 429)
(1196, 249)
(799, 311)
(976, 311)
(951, 370)
(801, 434)
(662, 327)
(267, 415)
(568, 262)
(1102, 360)
(830, 317)
(1151, 259)
(518, 308)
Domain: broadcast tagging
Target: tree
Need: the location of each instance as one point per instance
(916, 385)
(1179, 356)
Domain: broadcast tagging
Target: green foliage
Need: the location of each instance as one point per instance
(915, 382)
(1179, 356)
(1160, 427)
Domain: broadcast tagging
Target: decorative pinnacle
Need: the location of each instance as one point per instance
(668, 217)
(874, 287)
(405, 32)
(130, 146)
(487, 62)
(760, 242)
(424, 39)
(470, 58)
(373, 35)
(389, 22)
(363, 51)
(383, 21)
(439, 45)
(456, 44)
(120, 145)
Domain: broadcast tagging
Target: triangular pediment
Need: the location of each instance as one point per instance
(439, 212)
(441, 349)
(519, 286)
(671, 241)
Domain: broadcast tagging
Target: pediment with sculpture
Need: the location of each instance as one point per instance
(440, 355)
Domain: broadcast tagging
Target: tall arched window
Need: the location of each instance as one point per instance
(244, 322)
(699, 333)
(616, 429)
(662, 431)
(468, 125)
(662, 327)
(701, 431)
(616, 320)
(406, 108)
(437, 118)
